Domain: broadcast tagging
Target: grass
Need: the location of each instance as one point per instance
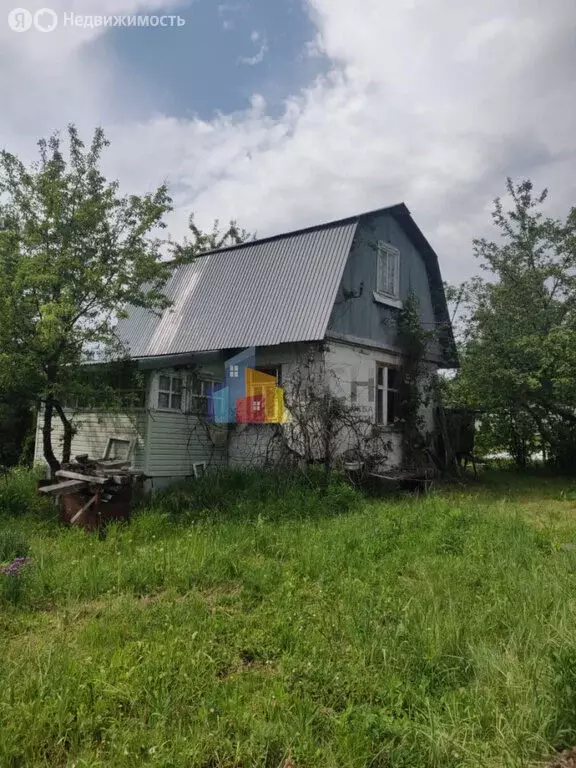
(262, 623)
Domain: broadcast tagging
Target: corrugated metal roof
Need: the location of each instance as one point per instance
(258, 294)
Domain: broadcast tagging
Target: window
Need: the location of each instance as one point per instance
(233, 371)
(199, 469)
(199, 395)
(275, 371)
(387, 395)
(169, 392)
(388, 279)
(120, 448)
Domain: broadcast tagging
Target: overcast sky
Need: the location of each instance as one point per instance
(286, 113)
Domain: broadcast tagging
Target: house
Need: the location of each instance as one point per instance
(326, 297)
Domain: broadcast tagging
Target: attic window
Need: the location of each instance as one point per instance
(388, 278)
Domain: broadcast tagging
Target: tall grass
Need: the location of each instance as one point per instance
(18, 494)
(255, 622)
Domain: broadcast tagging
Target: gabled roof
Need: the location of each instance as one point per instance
(261, 293)
(272, 291)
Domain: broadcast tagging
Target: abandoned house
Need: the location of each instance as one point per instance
(325, 298)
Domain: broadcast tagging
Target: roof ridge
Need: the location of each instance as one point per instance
(304, 230)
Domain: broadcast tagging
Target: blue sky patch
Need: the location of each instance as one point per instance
(226, 52)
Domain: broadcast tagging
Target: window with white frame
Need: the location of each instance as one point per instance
(388, 279)
(170, 392)
(387, 394)
(199, 390)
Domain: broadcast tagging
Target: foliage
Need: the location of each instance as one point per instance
(518, 339)
(217, 238)
(420, 632)
(416, 382)
(13, 544)
(258, 495)
(73, 254)
(18, 495)
(16, 428)
(324, 426)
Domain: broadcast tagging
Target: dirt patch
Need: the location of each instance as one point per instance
(566, 759)
(248, 662)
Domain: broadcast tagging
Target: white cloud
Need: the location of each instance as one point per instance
(258, 58)
(433, 103)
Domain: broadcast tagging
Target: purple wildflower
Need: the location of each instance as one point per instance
(15, 567)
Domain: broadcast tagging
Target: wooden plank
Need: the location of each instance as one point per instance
(84, 509)
(69, 486)
(113, 463)
(78, 476)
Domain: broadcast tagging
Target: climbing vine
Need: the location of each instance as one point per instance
(413, 339)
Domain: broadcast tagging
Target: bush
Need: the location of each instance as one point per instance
(12, 544)
(18, 494)
(255, 495)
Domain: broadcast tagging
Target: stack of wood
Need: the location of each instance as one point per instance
(93, 491)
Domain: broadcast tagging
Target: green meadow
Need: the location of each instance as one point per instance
(261, 621)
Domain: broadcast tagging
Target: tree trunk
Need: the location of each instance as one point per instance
(51, 459)
(68, 433)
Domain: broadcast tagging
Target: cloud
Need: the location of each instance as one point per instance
(258, 58)
(432, 102)
(228, 11)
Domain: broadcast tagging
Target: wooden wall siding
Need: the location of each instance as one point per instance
(363, 317)
(94, 429)
(177, 441)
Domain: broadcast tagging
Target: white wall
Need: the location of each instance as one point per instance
(347, 364)
(178, 440)
(93, 430)
(251, 445)
(351, 367)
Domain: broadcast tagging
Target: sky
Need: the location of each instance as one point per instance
(287, 113)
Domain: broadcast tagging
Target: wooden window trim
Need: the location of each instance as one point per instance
(390, 251)
(381, 414)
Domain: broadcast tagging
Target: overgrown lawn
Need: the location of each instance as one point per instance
(258, 622)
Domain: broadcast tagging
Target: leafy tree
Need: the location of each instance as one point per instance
(518, 340)
(74, 253)
(217, 238)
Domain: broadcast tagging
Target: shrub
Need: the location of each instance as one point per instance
(18, 494)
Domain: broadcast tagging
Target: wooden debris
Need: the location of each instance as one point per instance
(100, 480)
(84, 509)
(92, 492)
(68, 486)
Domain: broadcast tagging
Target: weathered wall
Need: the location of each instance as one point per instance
(93, 430)
(251, 445)
(354, 367)
(176, 441)
(362, 317)
(351, 367)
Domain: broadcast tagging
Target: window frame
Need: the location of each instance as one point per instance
(172, 376)
(199, 400)
(381, 404)
(388, 250)
(271, 370)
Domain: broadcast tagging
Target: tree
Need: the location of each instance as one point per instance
(518, 348)
(201, 242)
(74, 253)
